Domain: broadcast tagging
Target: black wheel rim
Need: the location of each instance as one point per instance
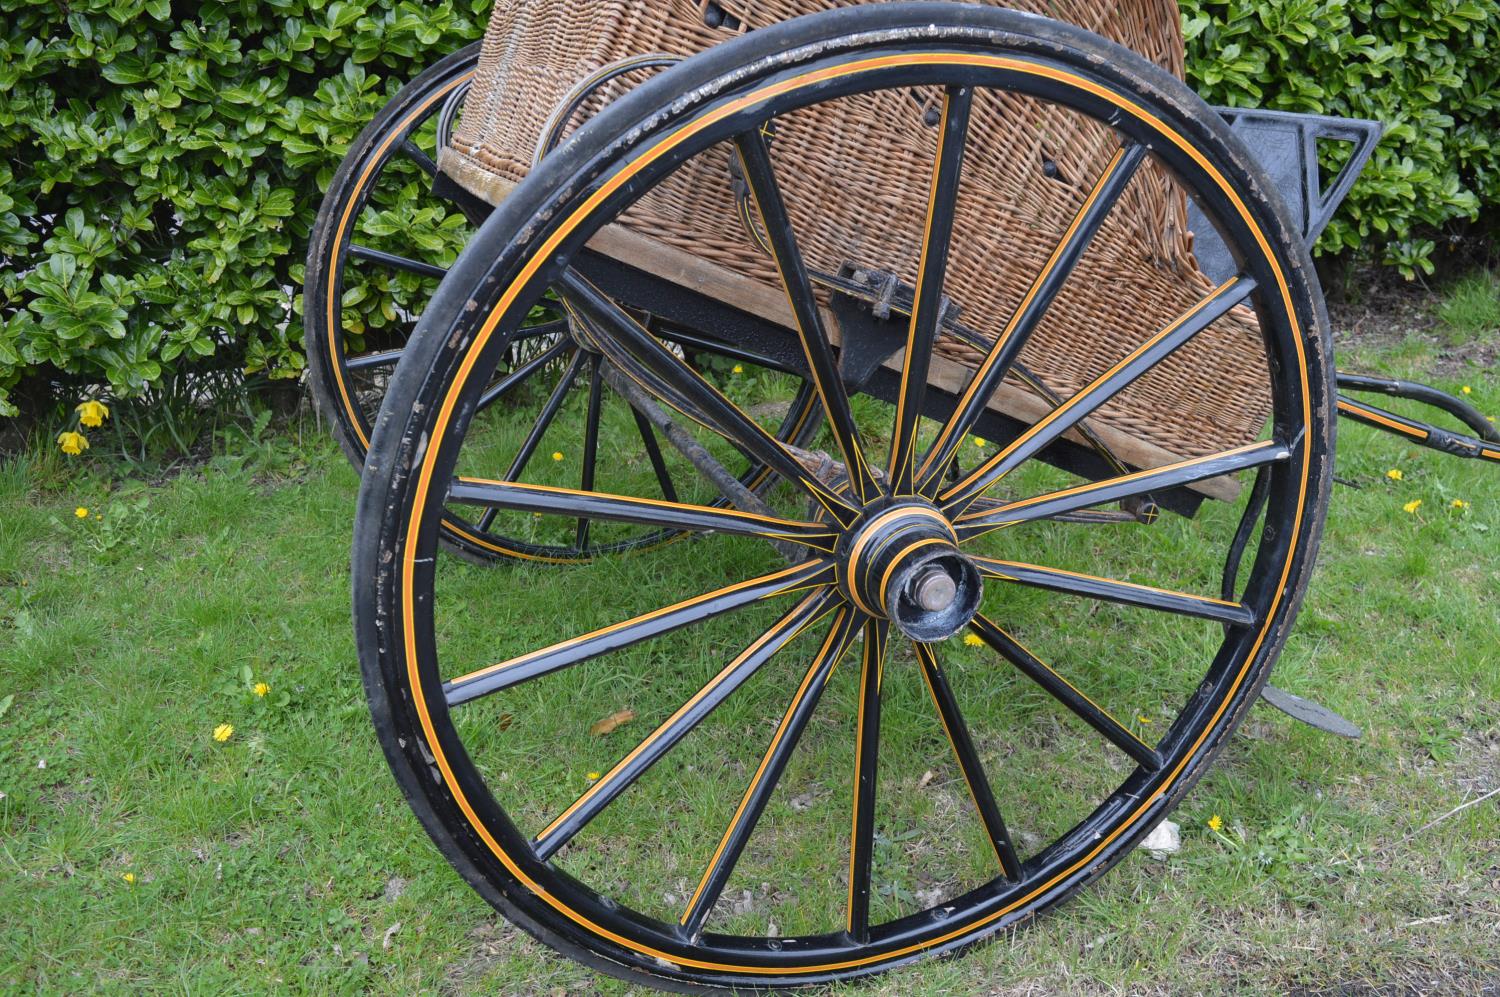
(467, 813)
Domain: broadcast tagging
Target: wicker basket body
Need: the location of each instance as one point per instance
(855, 174)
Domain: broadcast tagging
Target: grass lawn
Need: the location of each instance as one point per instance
(136, 850)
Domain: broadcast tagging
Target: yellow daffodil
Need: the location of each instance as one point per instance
(973, 640)
(1395, 474)
(92, 413)
(129, 877)
(557, 455)
(1467, 390)
(1460, 504)
(223, 732)
(1216, 823)
(72, 443)
(739, 369)
(81, 512)
(1413, 505)
(261, 688)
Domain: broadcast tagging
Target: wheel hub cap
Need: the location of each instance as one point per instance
(901, 562)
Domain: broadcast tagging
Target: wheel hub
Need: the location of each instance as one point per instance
(901, 562)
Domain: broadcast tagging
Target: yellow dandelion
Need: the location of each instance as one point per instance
(1216, 823)
(223, 732)
(979, 441)
(593, 776)
(739, 368)
(1460, 504)
(1467, 390)
(92, 413)
(973, 640)
(72, 443)
(261, 688)
(557, 455)
(129, 877)
(1395, 474)
(81, 512)
(1413, 505)
(1144, 719)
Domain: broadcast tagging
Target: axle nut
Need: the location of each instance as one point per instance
(934, 590)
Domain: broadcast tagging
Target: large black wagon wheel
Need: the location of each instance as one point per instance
(886, 572)
(416, 220)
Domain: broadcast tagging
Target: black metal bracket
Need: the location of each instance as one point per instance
(865, 339)
(1286, 144)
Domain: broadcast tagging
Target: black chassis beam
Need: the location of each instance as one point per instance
(690, 316)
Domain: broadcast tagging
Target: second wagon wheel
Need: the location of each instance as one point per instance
(387, 231)
(958, 700)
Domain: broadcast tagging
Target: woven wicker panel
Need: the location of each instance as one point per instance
(855, 175)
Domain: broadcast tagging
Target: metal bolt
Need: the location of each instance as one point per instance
(934, 591)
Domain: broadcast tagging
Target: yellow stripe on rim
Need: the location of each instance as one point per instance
(425, 472)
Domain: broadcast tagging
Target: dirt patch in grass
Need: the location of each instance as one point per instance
(1387, 311)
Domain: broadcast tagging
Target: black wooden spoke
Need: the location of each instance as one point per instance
(653, 452)
(1067, 694)
(1163, 478)
(928, 299)
(968, 760)
(370, 361)
(547, 660)
(866, 764)
(1259, 492)
(1029, 313)
(416, 155)
(590, 446)
(544, 420)
(755, 160)
(1110, 590)
(521, 374)
(773, 763)
(1119, 377)
(635, 764)
(398, 262)
(719, 411)
(552, 500)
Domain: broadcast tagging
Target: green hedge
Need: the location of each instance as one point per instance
(1428, 69)
(161, 163)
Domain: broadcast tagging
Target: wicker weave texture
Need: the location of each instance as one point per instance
(855, 174)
